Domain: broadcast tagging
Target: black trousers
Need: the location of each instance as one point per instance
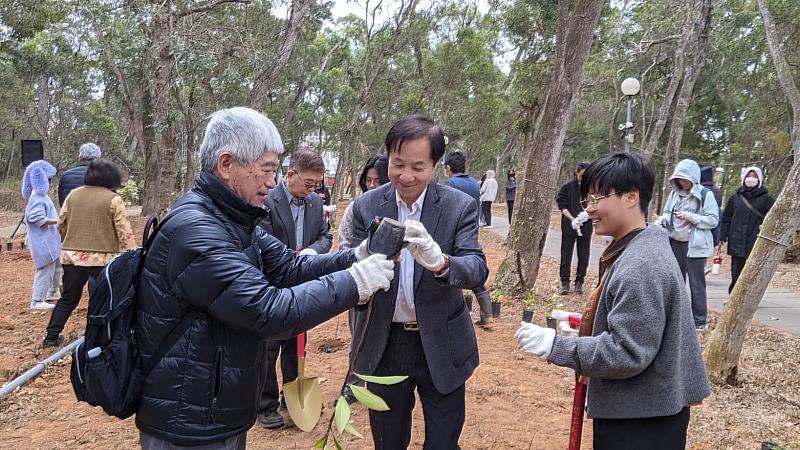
(737, 265)
(510, 204)
(75, 278)
(443, 413)
(652, 433)
(270, 395)
(486, 210)
(568, 243)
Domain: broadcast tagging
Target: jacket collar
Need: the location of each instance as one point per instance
(228, 202)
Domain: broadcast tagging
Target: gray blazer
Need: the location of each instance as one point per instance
(280, 223)
(448, 337)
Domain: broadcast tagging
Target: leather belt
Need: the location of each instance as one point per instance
(407, 326)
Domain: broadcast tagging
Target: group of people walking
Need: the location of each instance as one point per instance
(249, 255)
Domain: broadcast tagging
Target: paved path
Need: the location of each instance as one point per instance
(780, 308)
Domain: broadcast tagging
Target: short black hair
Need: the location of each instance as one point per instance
(381, 165)
(457, 162)
(306, 160)
(103, 173)
(620, 172)
(414, 127)
(581, 166)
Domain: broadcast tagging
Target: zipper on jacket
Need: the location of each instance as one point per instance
(216, 383)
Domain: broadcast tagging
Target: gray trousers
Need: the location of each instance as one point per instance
(695, 269)
(150, 442)
(45, 282)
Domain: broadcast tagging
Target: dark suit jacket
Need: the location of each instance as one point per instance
(280, 223)
(448, 337)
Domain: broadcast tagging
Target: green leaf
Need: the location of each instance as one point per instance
(321, 443)
(342, 414)
(382, 380)
(336, 441)
(349, 428)
(369, 399)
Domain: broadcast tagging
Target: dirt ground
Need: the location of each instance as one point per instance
(513, 401)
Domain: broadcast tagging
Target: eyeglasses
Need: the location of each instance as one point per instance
(311, 184)
(592, 200)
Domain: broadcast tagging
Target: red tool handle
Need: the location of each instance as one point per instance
(576, 426)
(301, 345)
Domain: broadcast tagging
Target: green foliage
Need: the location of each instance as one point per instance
(530, 299)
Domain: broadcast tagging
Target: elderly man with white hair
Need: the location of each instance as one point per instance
(73, 178)
(229, 287)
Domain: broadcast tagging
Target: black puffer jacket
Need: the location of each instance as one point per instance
(71, 179)
(740, 224)
(211, 256)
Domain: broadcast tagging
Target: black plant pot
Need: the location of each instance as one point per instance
(495, 309)
(527, 316)
(468, 300)
(551, 322)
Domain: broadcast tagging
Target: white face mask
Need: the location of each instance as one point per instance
(751, 182)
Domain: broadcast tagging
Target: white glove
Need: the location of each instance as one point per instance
(329, 208)
(308, 251)
(371, 275)
(535, 340)
(362, 252)
(422, 246)
(579, 221)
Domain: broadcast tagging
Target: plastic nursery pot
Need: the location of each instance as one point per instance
(527, 316)
(552, 322)
(495, 309)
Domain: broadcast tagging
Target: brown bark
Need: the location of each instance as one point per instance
(782, 222)
(266, 77)
(672, 89)
(687, 90)
(541, 151)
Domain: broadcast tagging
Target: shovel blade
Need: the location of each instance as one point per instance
(304, 402)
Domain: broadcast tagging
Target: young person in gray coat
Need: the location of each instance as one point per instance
(641, 353)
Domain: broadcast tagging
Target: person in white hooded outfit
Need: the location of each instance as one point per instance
(488, 194)
(689, 216)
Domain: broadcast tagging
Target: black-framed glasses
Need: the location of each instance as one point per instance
(592, 200)
(311, 184)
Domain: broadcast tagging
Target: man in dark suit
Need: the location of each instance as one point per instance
(294, 216)
(422, 329)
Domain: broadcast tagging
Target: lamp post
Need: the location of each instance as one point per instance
(630, 87)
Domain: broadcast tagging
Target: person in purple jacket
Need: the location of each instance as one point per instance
(41, 217)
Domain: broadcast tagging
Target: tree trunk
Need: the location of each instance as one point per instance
(725, 343)
(687, 89)
(541, 151)
(674, 82)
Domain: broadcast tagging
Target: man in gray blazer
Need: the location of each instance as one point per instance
(295, 217)
(422, 327)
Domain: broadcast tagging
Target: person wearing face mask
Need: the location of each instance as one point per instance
(742, 219)
(691, 212)
(576, 231)
(511, 192)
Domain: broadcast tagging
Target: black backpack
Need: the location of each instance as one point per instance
(106, 367)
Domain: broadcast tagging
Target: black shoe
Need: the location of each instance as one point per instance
(52, 342)
(564, 288)
(579, 287)
(271, 420)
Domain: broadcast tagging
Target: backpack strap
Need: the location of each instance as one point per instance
(750, 206)
(170, 340)
(703, 193)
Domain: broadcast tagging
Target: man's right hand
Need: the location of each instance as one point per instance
(371, 275)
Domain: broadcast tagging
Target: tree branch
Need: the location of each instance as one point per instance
(208, 6)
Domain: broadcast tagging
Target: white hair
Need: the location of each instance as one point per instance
(243, 132)
(89, 151)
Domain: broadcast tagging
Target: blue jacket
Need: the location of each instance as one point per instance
(43, 240)
(71, 179)
(703, 219)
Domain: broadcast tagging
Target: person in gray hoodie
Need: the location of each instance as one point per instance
(637, 345)
(690, 215)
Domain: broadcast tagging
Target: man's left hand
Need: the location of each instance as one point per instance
(422, 246)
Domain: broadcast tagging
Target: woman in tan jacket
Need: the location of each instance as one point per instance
(94, 229)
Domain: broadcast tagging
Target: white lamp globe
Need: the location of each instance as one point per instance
(630, 86)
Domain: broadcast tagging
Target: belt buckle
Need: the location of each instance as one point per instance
(410, 326)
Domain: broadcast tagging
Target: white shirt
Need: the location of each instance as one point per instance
(404, 309)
